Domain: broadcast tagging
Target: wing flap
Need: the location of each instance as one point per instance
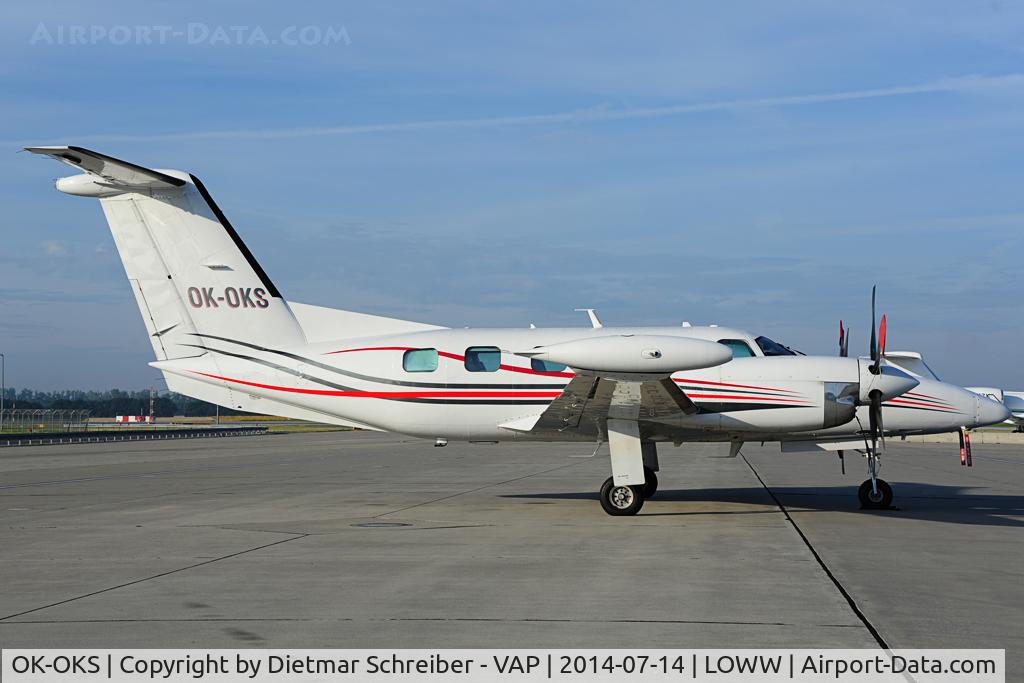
(588, 401)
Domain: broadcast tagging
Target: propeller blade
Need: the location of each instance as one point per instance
(874, 345)
(842, 338)
(881, 337)
(875, 421)
(876, 367)
(881, 426)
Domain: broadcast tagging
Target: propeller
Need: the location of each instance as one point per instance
(873, 349)
(876, 384)
(875, 396)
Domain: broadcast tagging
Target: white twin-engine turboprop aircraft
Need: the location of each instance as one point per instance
(223, 333)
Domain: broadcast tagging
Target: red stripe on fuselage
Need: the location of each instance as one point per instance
(390, 394)
(923, 404)
(745, 397)
(726, 384)
(930, 398)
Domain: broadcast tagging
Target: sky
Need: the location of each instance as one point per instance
(757, 165)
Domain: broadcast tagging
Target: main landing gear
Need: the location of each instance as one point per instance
(623, 500)
(634, 466)
(874, 493)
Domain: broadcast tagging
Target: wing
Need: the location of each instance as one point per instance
(588, 401)
(114, 171)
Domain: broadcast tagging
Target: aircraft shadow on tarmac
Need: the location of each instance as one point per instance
(929, 502)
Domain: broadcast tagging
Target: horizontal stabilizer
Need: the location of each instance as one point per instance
(112, 171)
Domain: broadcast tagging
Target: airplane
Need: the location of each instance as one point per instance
(933, 407)
(1013, 400)
(223, 333)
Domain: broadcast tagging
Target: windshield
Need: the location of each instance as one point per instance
(913, 365)
(774, 348)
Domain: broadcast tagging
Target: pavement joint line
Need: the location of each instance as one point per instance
(150, 578)
(474, 490)
(710, 622)
(821, 562)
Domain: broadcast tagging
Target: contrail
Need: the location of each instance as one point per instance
(960, 84)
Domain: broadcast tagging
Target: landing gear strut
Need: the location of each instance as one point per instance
(634, 463)
(874, 493)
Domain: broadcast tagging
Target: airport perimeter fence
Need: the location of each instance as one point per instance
(110, 435)
(43, 420)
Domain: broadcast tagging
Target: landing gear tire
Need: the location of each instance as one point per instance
(650, 483)
(621, 501)
(872, 500)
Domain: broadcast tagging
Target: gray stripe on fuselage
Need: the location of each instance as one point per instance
(381, 380)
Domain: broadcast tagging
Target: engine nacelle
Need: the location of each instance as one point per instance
(840, 403)
(627, 353)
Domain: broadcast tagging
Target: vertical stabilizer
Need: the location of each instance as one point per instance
(191, 274)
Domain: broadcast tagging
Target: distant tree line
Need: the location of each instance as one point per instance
(114, 402)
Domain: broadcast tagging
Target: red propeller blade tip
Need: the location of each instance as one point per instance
(881, 337)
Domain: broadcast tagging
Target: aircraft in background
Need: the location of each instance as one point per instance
(223, 333)
(1013, 400)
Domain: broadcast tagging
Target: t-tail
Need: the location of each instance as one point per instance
(192, 276)
(190, 271)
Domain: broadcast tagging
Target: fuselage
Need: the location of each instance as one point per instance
(470, 384)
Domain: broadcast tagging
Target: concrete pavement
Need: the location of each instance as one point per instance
(370, 540)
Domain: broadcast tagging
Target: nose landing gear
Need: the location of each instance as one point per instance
(874, 493)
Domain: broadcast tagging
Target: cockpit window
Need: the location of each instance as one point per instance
(930, 371)
(739, 348)
(774, 348)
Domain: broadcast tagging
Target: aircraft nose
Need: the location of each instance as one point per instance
(990, 412)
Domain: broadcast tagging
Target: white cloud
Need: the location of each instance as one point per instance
(962, 84)
(54, 247)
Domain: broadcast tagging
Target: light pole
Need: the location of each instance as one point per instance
(3, 389)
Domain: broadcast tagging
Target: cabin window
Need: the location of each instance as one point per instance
(739, 348)
(539, 365)
(420, 360)
(483, 358)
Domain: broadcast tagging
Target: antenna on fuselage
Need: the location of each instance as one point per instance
(594, 321)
